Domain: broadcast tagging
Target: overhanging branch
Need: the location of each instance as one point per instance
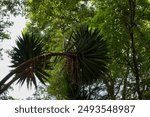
(4, 87)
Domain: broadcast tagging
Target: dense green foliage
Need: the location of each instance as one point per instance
(124, 26)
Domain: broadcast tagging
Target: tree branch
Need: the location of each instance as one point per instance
(4, 87)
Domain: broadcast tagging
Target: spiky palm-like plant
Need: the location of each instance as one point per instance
(29, 46)
(26, 63)
(90, 61)
(85, 55)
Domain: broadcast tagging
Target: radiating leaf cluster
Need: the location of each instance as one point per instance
(90, 49)
(27, 47)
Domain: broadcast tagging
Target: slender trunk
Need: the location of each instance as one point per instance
(112, 93)
(124, 89)
(6, 78)
(110, 86)
(126, 76)
(5, 87)
(125, 85)
(132, 8)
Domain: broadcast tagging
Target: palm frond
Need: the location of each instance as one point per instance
(27, 47)
(91, 59)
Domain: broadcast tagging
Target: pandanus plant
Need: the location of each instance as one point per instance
(85, 54)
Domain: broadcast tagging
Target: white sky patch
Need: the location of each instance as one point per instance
(15, 30)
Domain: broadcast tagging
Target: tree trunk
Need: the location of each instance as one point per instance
(132, 8)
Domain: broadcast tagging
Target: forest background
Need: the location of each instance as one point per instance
(123, 25)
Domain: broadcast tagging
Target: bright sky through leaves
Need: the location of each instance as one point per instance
(15, 30)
